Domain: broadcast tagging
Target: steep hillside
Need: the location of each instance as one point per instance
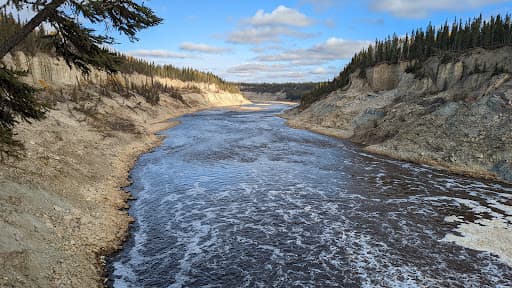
(61, 206)
(276, 91)
(454, 114)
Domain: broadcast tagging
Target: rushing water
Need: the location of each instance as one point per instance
(238, 199)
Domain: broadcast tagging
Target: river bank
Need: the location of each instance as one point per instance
(449, 115)
(237, 199)
(62, 208)
(469, 171)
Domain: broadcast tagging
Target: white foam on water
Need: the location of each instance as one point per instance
(193, 250)
(475, 206)
(277, 255)
(369, 255)
(125, 271)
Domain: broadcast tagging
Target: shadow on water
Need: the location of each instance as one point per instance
(238, 199)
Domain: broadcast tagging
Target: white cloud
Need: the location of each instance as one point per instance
(278, 77)
(251, 68)
(332, 49)
(262, 49)
(271, 27)
(161, 54)
(261, 72)
(203, 48)
(282, 15)
(422, 8)
(257, 35)
(319, 70)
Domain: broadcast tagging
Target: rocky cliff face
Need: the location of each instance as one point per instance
(50, 72)
(452, 113)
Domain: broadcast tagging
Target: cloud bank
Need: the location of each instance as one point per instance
(271, 27)
(422, 8)
(332, 49)
(282, 15)
(159, 53)
(202, 48)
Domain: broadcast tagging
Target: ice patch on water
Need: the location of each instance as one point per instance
(453, 218)
(490, 235)
(500, 206)
(494, 236)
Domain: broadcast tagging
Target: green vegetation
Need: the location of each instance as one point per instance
(293, 91)
(128, 64)
(39, 41)
(447, 41)
(24, 106)
(80, 47)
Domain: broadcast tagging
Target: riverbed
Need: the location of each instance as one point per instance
(235, 198)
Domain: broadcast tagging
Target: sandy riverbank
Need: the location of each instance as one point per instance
(62, 207)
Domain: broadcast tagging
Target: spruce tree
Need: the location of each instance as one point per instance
(417, 46)
(77, 44)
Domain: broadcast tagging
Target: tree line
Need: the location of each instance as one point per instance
(448, 41)
(39, 41)
(129, 64)
(293, 91)
(80, 46)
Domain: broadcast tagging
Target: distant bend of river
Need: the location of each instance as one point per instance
(238, 199)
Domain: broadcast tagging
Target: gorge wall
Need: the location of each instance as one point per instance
(62, 208)
(453, 113)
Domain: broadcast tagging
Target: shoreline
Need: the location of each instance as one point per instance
(128, 162)
(453, 169)
(480, 235)
(63, 209)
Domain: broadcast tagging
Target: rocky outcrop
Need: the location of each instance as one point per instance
(383, 77)
(50, 72)
(452, 113)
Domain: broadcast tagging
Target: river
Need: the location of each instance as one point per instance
(238, 199)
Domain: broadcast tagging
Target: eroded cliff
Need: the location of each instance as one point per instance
(61, 205)
(452, 113)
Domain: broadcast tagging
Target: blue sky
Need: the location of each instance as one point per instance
(279, 41)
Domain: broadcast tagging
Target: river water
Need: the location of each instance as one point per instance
(238, 199)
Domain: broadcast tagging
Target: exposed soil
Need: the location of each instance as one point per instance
(62, 208)
(451, 117)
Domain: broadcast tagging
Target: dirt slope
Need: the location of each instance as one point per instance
(455, 115)
(61, 206)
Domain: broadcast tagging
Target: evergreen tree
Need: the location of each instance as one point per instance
(421, 44)
(78, 45)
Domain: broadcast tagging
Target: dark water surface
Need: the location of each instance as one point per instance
(238, 199)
